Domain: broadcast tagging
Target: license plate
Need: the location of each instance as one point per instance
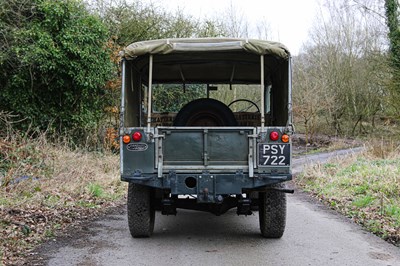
(274, 154)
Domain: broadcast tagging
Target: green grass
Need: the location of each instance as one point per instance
(361, 189)
(393, 211)
(95, 190)
(363, 201)
(365, 187)
(51, 200)
(87, 204)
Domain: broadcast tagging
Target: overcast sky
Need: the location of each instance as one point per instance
(289, 20)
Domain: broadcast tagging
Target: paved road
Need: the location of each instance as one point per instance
(314, 236)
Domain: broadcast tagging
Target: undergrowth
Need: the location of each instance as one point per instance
(46, 187)
(364, 187)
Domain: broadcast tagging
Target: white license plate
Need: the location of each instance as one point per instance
(274, 154)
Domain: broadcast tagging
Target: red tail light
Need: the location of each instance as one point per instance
(137, 136)
(274, 136)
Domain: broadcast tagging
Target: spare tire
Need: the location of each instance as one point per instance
(205, 112)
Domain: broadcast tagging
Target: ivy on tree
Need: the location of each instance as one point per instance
(392, 20)
(53, 63)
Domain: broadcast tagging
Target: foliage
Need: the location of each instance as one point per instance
(171, 98)
(95, 190)
(364, 187)
(47, 187)
(392, 21)
(54, 63)
(21, 157)
(133, 22)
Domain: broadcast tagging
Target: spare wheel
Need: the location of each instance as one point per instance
(205, 112)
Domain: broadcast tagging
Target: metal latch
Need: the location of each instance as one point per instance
(159, 153)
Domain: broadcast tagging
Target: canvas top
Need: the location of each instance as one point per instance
(182, 45)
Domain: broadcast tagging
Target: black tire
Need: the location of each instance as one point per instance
(205, 112)
(141, 212)
(272, 212)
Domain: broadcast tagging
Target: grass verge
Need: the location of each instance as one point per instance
(364, 187)
(46, 188)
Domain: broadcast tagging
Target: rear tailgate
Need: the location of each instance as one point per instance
(213, 148)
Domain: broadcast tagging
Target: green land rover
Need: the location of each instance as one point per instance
(206, 125)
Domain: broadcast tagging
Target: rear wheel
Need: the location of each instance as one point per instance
(272, 212)
(141, 211)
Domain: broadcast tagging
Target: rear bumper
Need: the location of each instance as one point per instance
(207, 186)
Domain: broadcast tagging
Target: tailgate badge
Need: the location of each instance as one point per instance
(137, 147)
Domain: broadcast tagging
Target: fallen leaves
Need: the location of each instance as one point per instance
(68, 188)
(21, 230)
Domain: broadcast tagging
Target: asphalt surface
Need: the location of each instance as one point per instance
(314, 235)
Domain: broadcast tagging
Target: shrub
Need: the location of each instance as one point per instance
(54, 64)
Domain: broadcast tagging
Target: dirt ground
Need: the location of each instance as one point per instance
(321, 143)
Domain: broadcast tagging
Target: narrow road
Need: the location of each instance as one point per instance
(314, 236)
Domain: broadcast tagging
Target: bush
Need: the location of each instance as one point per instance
(54, 64)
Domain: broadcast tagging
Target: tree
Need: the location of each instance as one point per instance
(309, 95)
(392, 21)
(134, 21)
(234, 23)
(53, 63)
(346, 56)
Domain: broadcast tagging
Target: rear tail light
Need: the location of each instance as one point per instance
(274, 136)
(137, 136)
(126, 139)
(285, 138)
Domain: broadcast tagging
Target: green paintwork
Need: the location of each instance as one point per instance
(205, 161)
